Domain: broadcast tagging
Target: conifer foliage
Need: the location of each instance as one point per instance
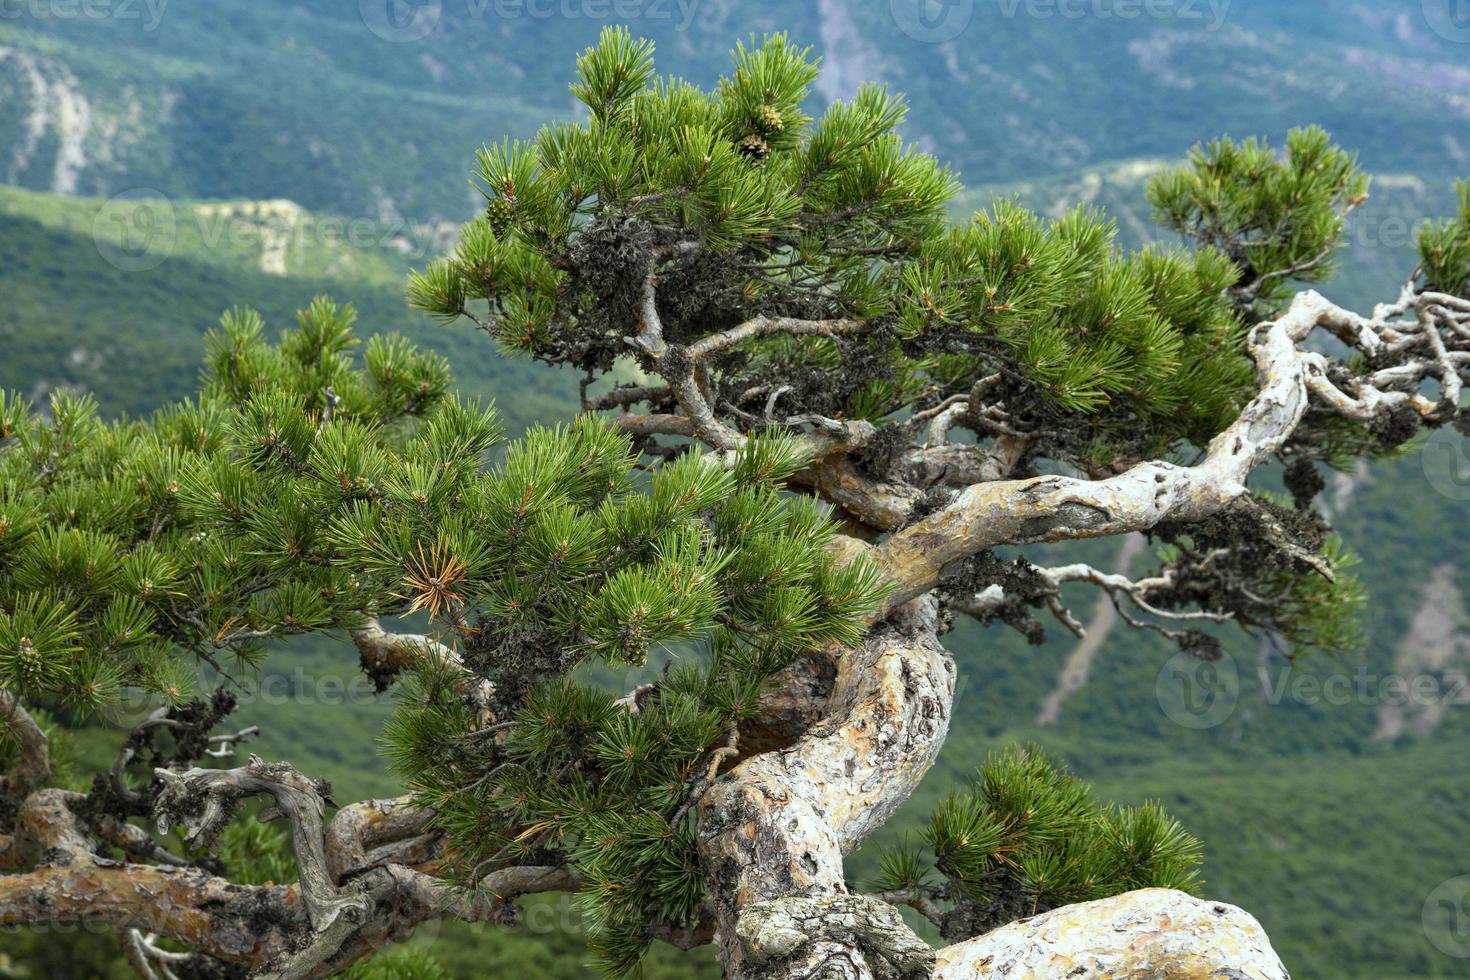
(204, 528)
(746, 207)
(303, 493)
(1027, 837)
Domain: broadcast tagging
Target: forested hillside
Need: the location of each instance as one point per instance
(266, 152)
(347, 112)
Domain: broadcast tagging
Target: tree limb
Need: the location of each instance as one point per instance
(1058, 508)
(32, 766)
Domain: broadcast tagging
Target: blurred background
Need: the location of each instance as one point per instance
(162, 160)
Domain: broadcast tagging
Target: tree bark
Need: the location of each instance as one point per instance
(773, 833)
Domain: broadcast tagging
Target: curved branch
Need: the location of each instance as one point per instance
(385, 655)
(203, 801)
(1057, 508)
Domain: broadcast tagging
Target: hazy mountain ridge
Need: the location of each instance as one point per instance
(310, 97)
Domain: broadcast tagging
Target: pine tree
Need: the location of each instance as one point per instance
(814, 406)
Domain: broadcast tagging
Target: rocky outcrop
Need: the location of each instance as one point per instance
(1154, 934)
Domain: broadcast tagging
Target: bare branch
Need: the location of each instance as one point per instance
(203, 801)
(385, 655)
(223, 746)
(763, 326)
(1055, 508)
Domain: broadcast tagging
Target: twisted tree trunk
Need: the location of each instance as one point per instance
(773, 834)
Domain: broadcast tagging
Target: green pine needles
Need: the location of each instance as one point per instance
(749, 207)
(1278, 218)
(305, 492)
(1444, 248)
(204, 528)
(1026, 837)
(578, 560)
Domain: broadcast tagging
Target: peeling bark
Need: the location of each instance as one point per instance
(236, 923)
(777, 828)
(818, 937)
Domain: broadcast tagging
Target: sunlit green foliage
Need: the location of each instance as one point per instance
(1277, 217)
(307, 490)
(1444, 248)
(1026, 837)
(566, 556)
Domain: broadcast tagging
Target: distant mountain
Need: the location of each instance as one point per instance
(374, 108)
(114, 296)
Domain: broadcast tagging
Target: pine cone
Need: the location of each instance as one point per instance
(755, 147)
(501, 211)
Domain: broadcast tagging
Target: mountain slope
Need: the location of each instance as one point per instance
(116, 300)
(347, 111)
